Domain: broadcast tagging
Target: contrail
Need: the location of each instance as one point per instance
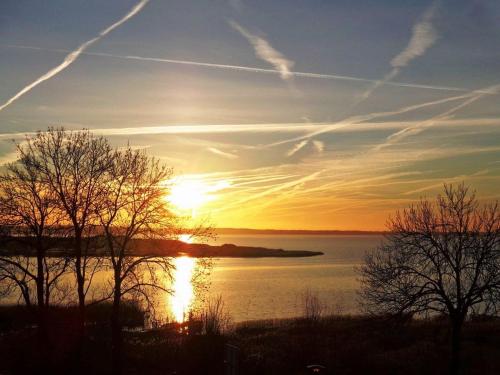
(415, 129)
(352, 120)
(224, 154)
(299, 146)
(73, 55)
(247, 69)
(265, 51)
(423, 37)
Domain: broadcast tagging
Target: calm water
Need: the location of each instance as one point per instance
(266, 288)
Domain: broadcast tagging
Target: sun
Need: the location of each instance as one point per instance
(190, 193)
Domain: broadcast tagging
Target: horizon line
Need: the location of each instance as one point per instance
(304, 231)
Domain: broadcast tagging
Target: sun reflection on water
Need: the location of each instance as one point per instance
(183, 294)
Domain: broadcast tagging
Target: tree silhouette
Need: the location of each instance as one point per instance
(439, 257)
(134, 207)
(72, 165)
(29, 218)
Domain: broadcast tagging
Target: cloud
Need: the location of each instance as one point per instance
(368, 92)
(272, 190)
(249, 69)
(423, 36)
(296, 148)
(266, 52)
(8, 158)
(73, 55)
(285, 128)
(371, 116)
(319, 146)
(13, 154)
(224, 154)
(201, 129)
(419, 127)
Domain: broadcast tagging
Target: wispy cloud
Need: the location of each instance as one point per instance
(274, 189)
(8, 157)
(374, 115)
(296, 148)
(248, 69)
(319, 146)
(224, 154)
(73, 55)
(362, 124)
(266, 52)
(420, 126)
(423, 36)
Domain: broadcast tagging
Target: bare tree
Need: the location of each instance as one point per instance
(27, 209)
(29, 218)
(16, 277)
(135, 208)
(73, 166)
(439, 257)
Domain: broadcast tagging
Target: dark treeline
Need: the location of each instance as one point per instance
(70, 192)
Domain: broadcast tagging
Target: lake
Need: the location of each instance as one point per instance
(268, 288)
(264, 288)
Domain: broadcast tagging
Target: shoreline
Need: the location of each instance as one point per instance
(165, 248)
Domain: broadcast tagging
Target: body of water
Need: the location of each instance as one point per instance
(268, 288)
(261, 288)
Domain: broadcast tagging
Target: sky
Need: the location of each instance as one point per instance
(274, 114)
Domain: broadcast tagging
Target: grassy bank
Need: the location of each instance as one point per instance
(344, 345)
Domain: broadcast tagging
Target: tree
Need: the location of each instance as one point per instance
(439, 257)
(135, 208)
(16, 275)
(72, 165)
(27, 210)
(29, 218)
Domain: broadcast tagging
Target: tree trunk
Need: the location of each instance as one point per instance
(40, 281)
(116, 330)
(456, 345)
(80, 281)
(80, 285)
(41, 313)
(26, 295)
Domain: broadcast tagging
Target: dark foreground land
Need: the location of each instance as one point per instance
(344, 345)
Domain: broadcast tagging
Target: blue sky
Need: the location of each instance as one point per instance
(294, 114)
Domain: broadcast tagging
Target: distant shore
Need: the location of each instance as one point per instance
(167, 248)
(198, 250)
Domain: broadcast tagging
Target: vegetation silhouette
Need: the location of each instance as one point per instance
(440, 257)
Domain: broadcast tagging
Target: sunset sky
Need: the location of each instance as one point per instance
(274, 114)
